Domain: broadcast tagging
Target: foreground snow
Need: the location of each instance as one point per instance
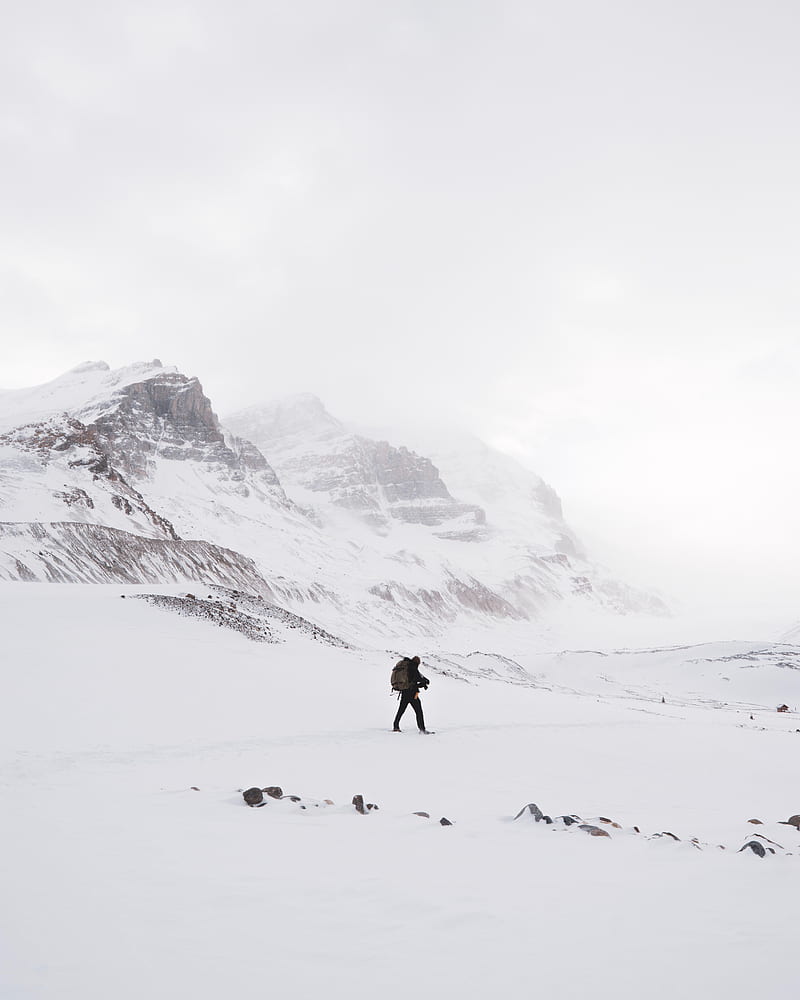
(120, 880)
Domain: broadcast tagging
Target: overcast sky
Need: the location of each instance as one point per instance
(573, 227)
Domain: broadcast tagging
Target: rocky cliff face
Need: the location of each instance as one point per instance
(376, 480)
(105, 439)
(168, 417)
(105, 474)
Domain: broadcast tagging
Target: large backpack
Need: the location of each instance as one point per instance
(401, 680)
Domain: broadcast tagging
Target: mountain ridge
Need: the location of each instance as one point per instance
(366, 532)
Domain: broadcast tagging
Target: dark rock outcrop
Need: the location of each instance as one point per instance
(593, 831)
(532, 809)
(755, 847)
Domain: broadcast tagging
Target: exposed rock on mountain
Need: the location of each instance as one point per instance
(63, 451)
(313, 451)
(103, 473)
(66, 552)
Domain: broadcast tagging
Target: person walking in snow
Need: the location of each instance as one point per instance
(407, 674)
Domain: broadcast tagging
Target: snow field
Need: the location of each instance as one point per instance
(120, 881)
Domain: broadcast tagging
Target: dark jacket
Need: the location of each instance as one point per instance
(415, 677)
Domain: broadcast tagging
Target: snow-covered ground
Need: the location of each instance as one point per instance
(119, 880)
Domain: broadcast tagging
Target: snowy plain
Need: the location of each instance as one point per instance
(120, 880)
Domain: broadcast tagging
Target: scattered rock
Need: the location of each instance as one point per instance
(253, 796)
(666, 833)
(783, 708)
(291, 798)
(604, 819)
(423, 814)
(444, 821)
(568, 820)
(358, 802)
(594, 831)
(756, 821)
(533, 809)
(775, 842)
(371, 805)
(328, 802)
(274, 792)
(755, 847)
(792, 821)
(194, 788)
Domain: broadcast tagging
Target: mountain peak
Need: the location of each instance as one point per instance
(89, 366)
(285, 419)
(76, 389)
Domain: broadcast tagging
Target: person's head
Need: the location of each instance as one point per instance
(415, 660)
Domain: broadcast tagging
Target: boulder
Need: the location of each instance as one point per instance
(444, 821)
(793, 821)
(755, 847)
(783, 708)
(274, 791)
(533, 809)
(358, 802)
(593, 831)
(253, 796)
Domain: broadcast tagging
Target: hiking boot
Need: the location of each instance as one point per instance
(396, 729)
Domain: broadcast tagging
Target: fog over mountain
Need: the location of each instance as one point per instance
(570, 230)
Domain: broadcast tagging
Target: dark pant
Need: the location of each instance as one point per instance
(409, 698)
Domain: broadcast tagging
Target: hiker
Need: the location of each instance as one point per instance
(407, 679)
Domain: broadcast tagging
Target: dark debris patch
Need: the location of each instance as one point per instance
(257, 607)
(213, 611)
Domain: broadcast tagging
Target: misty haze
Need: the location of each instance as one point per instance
(378, 372)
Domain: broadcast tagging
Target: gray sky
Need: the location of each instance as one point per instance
(573, 227)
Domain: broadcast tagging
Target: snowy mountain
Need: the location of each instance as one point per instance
(470, 506)
(318, 457)
(129, 475)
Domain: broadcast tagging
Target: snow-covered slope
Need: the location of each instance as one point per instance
(68, 552)
(367, 533)
(133, 867)
(481, 517)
